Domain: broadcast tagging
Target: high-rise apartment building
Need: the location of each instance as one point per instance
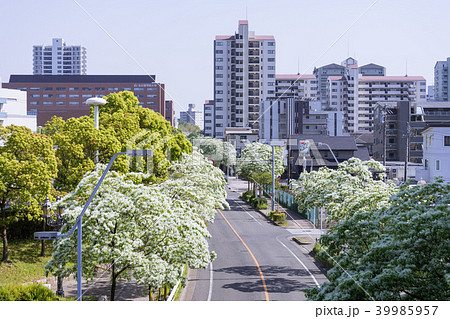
(59, 59)
(208, 118)
(296, 86)
(441, 87)
(244, 75)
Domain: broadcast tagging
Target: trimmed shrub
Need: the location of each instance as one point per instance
(278, 217)
(31, 292)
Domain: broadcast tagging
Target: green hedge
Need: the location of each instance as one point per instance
(257, 202)
(31, 292)
(278, 217)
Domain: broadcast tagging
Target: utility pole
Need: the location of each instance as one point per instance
(408, 133)
(383, 112)
(288, 143)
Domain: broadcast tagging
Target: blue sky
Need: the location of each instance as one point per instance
(173, 38)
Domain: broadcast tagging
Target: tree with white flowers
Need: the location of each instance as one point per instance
(398, 252)
(256, 159)
(222, 153)
(148, 232)
(344, 191)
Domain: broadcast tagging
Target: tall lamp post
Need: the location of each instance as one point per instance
(96, 102)
(78, 223)
(320, 143)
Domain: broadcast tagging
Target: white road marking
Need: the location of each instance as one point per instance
(247, 212)
(304, 266)
(210, 281)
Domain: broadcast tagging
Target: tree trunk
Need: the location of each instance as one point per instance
(150, 293)
(5, 245)
(113, 281)
(166, 292)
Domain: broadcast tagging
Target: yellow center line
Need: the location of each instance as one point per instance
(251, 254)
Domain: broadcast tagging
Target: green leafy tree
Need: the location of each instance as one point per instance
(27, 167)
(76, 141)
(123, 124)
(398, 252)
(148, 232)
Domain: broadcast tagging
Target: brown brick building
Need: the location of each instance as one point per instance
(65, 95)
(169, 111)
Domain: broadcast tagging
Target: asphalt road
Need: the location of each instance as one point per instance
(256, 260)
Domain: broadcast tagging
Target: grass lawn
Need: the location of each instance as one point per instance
(26, 264)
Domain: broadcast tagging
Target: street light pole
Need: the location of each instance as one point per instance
(273, 177)
(95, 102)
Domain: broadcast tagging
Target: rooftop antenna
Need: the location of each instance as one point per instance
(298, 65)
(406, 61)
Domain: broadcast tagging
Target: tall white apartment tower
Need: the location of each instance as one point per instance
(244, 75)
(59, 59)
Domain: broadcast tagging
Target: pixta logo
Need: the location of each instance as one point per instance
(148, 142)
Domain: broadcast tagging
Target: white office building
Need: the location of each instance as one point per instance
(192, 117)
(59, 59)
(244, 75)
(436, 153)
(13, 109)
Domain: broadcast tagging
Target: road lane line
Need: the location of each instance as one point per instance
(210, 281)
(251, 254)
(304, 266)
(247, 212)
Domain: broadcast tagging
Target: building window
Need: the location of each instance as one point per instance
(219, 59)
(86, 89)
(446, 140)
(151, 96)
(219, 83)
(35, 95)
(219, 44)
(86, 95)
(438, 165)
(151, 89)
(73, 89)
(151, 103)
(60, 103)
(48, 89)
(99, 89)
(74, 103)
(34, 89)
(219, 67)
(47, 103)
(74, 96)
(270, 59)
(34, 103)
(61, 96)
(271, 44)
(117, 89)
(271, 51)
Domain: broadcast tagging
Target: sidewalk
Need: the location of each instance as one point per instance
(100, 286)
